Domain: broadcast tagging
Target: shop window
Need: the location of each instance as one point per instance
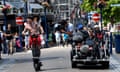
(36, 10)
(15, 10)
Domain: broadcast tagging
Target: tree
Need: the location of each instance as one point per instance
(110, 14)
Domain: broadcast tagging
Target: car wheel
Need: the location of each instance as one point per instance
(74, 65)
(71, 55)
(105, 65)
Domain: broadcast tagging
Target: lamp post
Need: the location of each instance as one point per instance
(46, 5)
(101, 4)
(46, 30)
(5, 17)
(26, 9)
(5, 26)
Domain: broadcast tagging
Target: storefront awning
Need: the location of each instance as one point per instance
(35, 6)
(17, 5)
(7, 3)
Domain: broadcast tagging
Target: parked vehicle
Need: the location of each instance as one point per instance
(89, 52)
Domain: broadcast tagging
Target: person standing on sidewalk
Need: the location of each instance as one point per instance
(1, 39)
(9, 39)
(26, 39)
(58, 37)
(69, 29)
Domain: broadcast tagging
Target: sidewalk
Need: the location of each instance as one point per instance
(4, 59)
(116, 55)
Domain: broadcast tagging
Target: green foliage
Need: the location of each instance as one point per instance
(110, 14)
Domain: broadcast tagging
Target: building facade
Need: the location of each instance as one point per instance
(64, 8)
(18, 8)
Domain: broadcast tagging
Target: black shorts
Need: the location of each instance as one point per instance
(36, 52)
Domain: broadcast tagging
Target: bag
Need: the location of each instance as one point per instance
(18, 43)
(42, 40)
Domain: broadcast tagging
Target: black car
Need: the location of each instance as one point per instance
(89, 52)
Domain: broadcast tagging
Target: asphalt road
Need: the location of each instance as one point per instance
(55, 59)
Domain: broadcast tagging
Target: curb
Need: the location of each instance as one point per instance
(3, 61)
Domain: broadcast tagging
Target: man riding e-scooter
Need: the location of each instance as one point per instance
(34, 39)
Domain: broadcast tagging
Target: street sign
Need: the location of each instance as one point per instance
(96, 17)
(19, 20)
(89, 15)
(114, 5)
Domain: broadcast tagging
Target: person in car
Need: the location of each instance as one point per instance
(81, 29)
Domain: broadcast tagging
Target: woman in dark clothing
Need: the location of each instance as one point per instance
(9, 39)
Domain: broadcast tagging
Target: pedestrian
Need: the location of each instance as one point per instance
(57, 26)
(58, 37)
(9, 39)
(37, 22)
(69, 29)
(65, 39)
(39, 28)
(16, 37)
(5, 49)
(26, 39)
(34, 40)
(1, 40)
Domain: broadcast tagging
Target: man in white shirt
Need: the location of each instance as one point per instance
(69, 30)
(70, 26)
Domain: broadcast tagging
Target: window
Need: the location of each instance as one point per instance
(22, 10)
(14, 0)
(31, 0)
(67, 14)
(63, 1)
(36, 10)
(64, 7)
(15, 10)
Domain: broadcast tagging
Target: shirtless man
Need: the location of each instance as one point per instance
(34, 32)
(32, 27)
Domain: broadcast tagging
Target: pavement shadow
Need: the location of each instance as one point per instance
(23, 60)
(92, 67)
(52, 69)
(50, 58)
(26, 60)
(4, 60)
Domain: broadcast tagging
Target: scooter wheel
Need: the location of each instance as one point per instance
(37, 67)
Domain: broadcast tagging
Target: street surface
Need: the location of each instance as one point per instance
(55, 59)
